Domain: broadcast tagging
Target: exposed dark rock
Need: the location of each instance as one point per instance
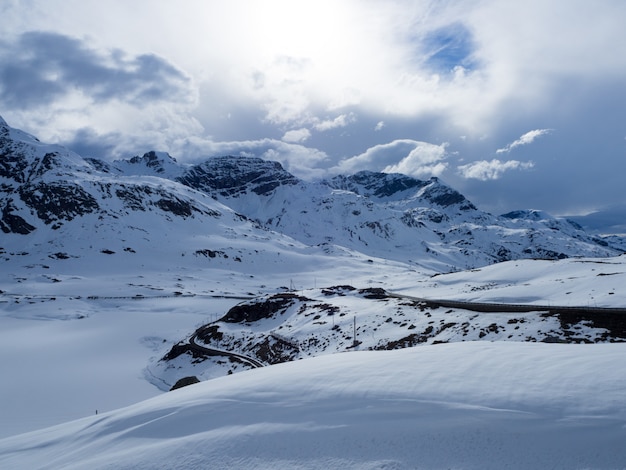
(56, 201)
(444, 196)
(274, 351)
(183, 348)
(176, 206)
(211, 253)
(614, 323)
(102, 166)
(230, 176)
(369, 183)
(209, 333)
(153, 161)
(13, 166)
(374, 293)
(12, 223)
(337, 290)
(406, 342)
(503, 254)
(184, 382)
(132, 197)
(265, 308)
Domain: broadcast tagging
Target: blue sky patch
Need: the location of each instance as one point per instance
(448, 47)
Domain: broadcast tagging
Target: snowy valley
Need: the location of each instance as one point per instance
(116, 274)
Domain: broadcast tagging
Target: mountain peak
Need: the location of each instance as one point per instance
(151, 163)
(25, 158)
(444, 196)
(528, 214)
(380, 185)
(235, 175)
(153, 157)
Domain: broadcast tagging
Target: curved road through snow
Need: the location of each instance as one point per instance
(220, 352)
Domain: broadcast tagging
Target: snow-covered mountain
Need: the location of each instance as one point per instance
(62, 209)
(50, 193)
(388, 215)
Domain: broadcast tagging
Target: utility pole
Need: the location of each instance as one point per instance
(354, 329)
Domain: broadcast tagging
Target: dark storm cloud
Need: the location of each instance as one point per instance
(88, 143)
(577, 169)
(39, 68)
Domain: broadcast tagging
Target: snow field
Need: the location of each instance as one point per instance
(463, 405)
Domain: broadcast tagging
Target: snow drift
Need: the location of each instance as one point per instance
(465, 405)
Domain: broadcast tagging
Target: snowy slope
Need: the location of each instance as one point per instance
(592, 282)
(295, 325)
(466, 405)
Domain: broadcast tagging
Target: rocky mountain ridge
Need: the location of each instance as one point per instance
(387, 215)
(391, 216)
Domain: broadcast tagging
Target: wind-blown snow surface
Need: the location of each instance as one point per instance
(464, 405)
(584, 282)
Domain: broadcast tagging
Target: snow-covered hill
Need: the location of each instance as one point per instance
(290, 326)
(481, 405)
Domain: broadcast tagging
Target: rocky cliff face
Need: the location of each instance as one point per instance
(228, 177)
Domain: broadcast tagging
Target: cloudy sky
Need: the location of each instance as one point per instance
(515, 104)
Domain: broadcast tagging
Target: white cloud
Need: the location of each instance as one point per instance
(424, 161)
(304, 162)
(417, 169)
(491, 170)
(369, 55)
(323, 64)
(526, 139)
(340, 121)
(297, 135)
(411, 157)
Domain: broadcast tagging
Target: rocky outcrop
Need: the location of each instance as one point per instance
(233, 176)
(379, 185)
(46, 186)
(184, 382)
